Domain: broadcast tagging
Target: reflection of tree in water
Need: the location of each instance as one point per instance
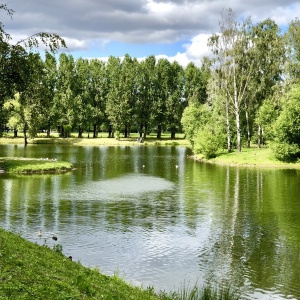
(246, 220)
(248, 249)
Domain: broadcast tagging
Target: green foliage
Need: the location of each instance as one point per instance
(287, 126)
(286, 152)
(209, 140)
(206, 293)
(58, 249)
(194, 117)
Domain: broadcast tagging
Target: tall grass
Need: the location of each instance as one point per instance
(206, 293)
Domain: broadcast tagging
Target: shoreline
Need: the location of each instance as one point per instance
(249, 157)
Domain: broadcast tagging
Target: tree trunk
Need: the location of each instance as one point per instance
(141, 130)
(89, 131)
(95, 131)
(228, 126)
(238, 133)
(259, 137)
(80, 130)
(145, 132)
(158, 131)
(48, 130)
(15, 133)
(126, 131)
(248, 128)
(25, 136)
(110, 131)
(173, 132)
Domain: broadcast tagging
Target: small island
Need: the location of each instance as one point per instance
(20, 165)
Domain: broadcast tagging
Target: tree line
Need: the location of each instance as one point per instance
(120, 95)
(248, 91)
(253, 90)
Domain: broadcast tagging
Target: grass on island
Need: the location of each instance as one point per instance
(29, 271)
(102, 139)
(29, 165)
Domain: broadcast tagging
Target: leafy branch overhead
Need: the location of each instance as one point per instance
(51, 41)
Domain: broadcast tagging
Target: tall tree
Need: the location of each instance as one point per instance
(98, 93)
(146, 92)
(64, 99)
(231, 48)
(175, 102)
(268, 56)
(49, 82)
(11, 56)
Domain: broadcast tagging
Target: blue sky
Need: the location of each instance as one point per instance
(177, 29)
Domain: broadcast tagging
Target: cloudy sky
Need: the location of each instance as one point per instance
(177, 29)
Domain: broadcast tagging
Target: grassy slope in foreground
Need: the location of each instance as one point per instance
(29, 165)
(30, 271)
(260, 157)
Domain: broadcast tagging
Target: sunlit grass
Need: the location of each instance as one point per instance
(253, 156)
(28, 165)
(30, 271)
(102, 139)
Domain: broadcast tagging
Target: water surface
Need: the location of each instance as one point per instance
(131, 210)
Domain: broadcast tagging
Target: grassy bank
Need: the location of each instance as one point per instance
(29, 271)
(254, 157)
(28, 165)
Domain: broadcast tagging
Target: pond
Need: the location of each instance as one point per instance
(159, 218)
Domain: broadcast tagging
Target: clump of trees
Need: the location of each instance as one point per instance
(249, 91)
(21, 76)
(253, 90)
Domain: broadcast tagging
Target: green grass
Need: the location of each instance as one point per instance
(102, 139)
(28, 165)
(262, 157)
(29, 271)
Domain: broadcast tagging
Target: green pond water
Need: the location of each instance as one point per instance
(130, 210)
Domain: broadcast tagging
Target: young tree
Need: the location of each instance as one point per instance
(231, 48)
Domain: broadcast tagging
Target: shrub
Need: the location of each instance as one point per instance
(286, 152)
(208, 141)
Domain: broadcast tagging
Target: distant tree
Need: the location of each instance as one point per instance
(98, 92)
(66, 93)
(175, 101)
(145, 95)
(161, 95)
